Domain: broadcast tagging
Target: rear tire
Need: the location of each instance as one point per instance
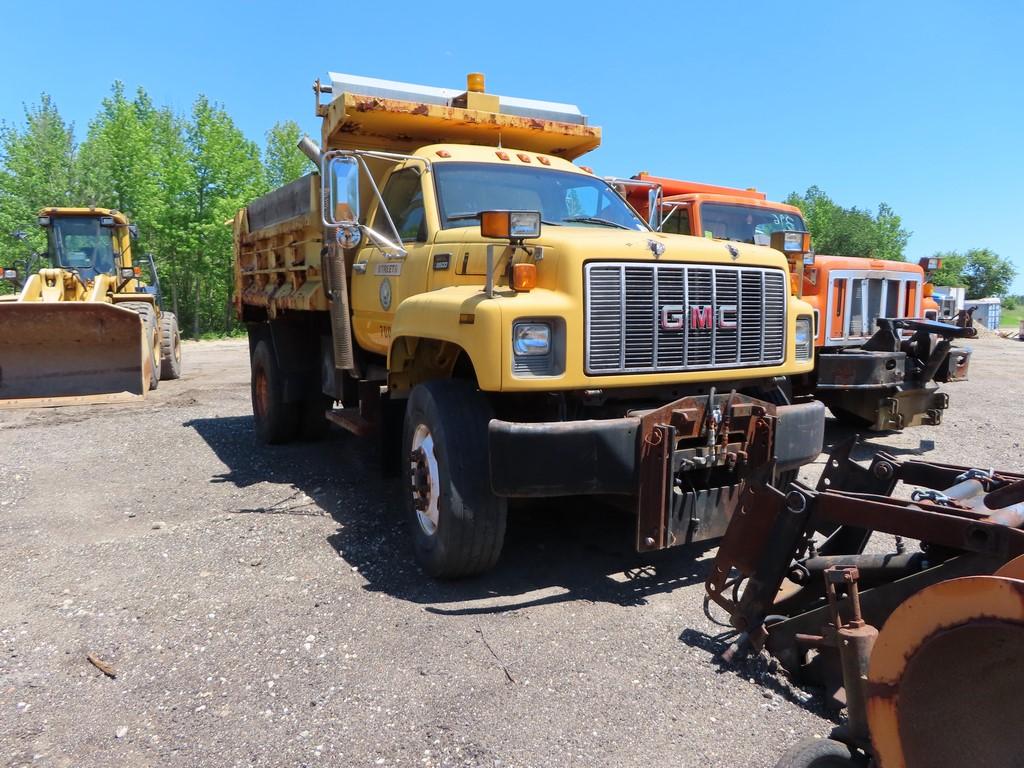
(170, 347)
(818, 753)
(152, 333)
(275, 420)
(456, 521)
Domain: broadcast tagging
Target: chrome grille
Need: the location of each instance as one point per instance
(625, 302)
(872, 298)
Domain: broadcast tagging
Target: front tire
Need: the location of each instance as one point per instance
(275, 420)
(456, 521)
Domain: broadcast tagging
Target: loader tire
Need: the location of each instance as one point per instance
(457, 522)
(275, 420)
(818, 753)
(170, 347)
(152, 333)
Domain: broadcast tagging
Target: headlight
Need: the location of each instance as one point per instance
(804, 338)
(531, 339)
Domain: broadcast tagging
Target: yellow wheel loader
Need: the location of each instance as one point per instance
(88, 328)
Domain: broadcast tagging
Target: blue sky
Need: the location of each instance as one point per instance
(918, 104)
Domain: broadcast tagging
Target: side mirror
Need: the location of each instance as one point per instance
(341, 198)
(343, 191)
(19, 235)
(133, 231)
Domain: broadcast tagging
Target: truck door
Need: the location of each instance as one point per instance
(380, 281)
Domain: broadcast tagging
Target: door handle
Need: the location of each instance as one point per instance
(359, 267)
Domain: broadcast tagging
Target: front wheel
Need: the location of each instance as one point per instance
(457, 522)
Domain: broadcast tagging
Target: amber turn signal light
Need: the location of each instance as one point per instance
(524, 277)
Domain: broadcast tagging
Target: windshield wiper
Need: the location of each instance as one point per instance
(595, 220)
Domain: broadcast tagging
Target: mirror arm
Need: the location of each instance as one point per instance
(383, 207)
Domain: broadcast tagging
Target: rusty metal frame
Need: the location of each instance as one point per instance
(731, 432)
(767, 570)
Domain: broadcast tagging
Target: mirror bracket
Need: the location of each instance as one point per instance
(349, 233)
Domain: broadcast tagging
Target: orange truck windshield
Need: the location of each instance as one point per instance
(745, 224)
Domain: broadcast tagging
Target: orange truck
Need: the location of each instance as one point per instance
(881, 352)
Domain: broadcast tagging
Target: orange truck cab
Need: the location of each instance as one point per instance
(880, 350)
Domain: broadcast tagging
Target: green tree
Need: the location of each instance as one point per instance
(283, 159)
(226, 174)
(983, 272)
(117, 162)
(37, 169)
(842, 231)
(134, 159)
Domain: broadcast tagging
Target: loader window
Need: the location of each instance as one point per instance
(79, 242)
(563, 198)
(745, 223)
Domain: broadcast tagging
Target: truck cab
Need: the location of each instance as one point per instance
(451, 279)
(880, 347)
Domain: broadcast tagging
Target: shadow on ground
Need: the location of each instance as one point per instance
(555, 551)
(869, 443)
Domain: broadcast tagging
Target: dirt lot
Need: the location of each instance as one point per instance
(259, 606)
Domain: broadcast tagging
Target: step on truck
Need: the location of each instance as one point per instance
(510, 327)
(881, 350)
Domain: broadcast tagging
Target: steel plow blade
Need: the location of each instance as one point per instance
(66, 353)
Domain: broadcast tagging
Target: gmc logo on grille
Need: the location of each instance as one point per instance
(701, 316)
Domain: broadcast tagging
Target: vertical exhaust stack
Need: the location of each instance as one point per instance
(310, 149)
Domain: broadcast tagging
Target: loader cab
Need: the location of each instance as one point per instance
(85, 244)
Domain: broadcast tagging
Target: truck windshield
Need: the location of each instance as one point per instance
(563, 198)
(79, 242)
(746, 224)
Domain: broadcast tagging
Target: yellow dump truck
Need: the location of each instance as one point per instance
(510, 326)
(86, 329)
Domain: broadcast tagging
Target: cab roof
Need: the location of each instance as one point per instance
(118, 217)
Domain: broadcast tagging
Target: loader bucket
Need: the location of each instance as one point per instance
(70, 353)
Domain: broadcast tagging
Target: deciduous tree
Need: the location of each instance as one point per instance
(853, 231)
(284, 161)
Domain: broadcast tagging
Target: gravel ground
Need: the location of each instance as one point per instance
(258, 606)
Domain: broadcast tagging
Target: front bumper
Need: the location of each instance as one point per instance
(889, 390)
(684, 464)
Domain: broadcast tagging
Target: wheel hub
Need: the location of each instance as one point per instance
(425, 480)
